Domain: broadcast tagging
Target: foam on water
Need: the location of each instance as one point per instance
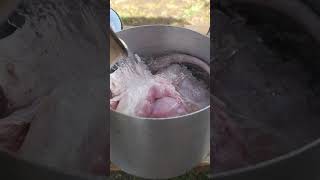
(131, 71)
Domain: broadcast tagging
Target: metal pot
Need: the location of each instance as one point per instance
(153, 148)
(115, 21)
(299, 164)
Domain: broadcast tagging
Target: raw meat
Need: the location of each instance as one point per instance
(194, 92)
(172, 91)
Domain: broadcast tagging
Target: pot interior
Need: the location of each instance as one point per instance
(267, 74)
(160, 41)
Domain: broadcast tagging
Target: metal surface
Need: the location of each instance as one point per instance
(161, 148)
(115, 21)
(118, 48)
(296, 9)
(301, 163)
(6, 8)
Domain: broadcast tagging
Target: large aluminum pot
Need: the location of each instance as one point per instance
(153, 148)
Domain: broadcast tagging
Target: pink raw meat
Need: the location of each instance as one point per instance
(194, 92)
(153, 98)
(161, 101)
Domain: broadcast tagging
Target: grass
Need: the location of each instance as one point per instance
(193, 175)
(169, 12)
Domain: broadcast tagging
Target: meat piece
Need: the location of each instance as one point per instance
(161, 101)
(193, 91)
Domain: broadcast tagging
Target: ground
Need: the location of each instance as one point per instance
(169, 12)
(189, 176)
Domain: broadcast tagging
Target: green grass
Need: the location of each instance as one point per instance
(189, 176)
(169, 12)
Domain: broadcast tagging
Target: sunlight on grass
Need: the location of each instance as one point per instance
(169, 12)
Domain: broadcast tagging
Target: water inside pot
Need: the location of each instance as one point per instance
(160, 87)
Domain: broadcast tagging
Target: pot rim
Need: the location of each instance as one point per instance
(267, 163)
(161, 119)
(118, 17)
(162, 25)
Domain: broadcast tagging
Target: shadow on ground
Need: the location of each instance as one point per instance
(137, 21)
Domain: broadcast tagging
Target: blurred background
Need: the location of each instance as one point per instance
(192, 14)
